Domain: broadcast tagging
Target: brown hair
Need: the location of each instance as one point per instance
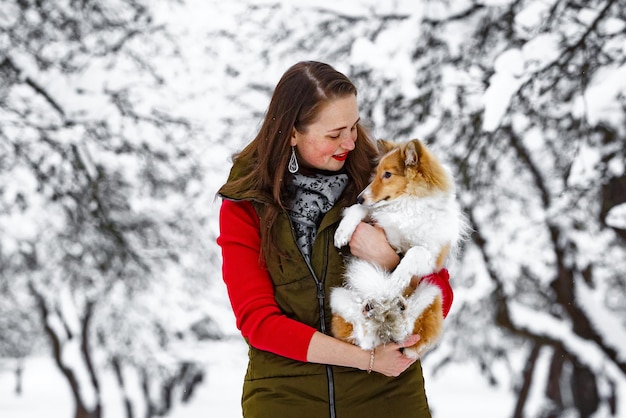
(297, 100)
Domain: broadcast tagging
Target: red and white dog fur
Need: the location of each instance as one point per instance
(412, 197)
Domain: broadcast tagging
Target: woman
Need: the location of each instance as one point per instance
(281, 205)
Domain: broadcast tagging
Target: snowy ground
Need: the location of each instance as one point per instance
(458, 392)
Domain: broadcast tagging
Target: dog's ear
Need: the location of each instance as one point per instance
(384, 146)
(413, 153)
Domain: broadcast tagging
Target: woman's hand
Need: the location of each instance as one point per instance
(369, 243)
(389, 360)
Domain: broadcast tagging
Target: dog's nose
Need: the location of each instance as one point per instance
(360, 200)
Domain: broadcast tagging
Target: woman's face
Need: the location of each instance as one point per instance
(326, 142)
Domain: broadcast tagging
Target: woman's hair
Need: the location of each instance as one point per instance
(297, 100)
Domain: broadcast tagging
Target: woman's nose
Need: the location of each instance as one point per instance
(348, 142)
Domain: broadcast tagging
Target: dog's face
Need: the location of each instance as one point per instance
(404, 169)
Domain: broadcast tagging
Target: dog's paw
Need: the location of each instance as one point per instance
(352, 216)
(412, 352)
(417, 261)
(417, 351)
(343, 234)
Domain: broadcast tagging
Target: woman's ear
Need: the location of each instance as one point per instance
(294, 137)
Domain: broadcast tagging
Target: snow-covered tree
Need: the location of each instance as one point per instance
(99, 226)
(536, 131)
(102, 191)
(526, 100)
(21, 334)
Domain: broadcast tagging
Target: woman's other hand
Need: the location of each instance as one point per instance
(369, 243)
(389, 360)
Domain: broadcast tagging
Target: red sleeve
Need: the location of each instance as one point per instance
(442, 279)
(250, 287)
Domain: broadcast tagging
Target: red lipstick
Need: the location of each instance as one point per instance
(341, 157)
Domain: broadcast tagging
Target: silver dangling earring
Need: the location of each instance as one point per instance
(293, 162)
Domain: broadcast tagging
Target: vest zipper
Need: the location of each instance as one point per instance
(321, 296)
(329, 370)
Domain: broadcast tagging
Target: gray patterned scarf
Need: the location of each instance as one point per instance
(313, 197)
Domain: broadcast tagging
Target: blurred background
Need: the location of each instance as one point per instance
(118, 119)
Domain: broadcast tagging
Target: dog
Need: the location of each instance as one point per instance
(412, 198)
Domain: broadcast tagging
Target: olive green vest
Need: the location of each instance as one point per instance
(299, 292)
(276, 386)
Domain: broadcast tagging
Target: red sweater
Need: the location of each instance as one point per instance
(251, 290)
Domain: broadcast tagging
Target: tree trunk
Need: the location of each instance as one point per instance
(584, 390)
(81, 410)
(553, 386)
(522, 395)
(117, 368)
(18, 377)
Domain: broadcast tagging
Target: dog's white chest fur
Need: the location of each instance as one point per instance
(410, 221)
(418, 227)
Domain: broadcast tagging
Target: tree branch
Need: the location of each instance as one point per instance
(34, 85)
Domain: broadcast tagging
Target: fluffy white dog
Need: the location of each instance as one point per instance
(412, 197)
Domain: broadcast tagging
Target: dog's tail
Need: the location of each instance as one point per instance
(370, 280)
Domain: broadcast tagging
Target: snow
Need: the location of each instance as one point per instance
(604, 321)
(390, 62)
(540, 51)
(46, 392)
(540, 376)
(602, 99)
(586, 162)
(532, 15)
(205, 95)
(587, 352)
(502, 86)
(617, 217)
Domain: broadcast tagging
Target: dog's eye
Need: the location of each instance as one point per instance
(368, 307)
(401, 305)
(386, 174)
